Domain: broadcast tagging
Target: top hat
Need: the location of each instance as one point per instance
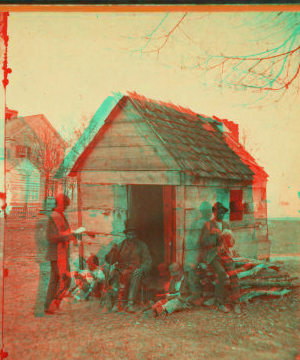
(131, 229)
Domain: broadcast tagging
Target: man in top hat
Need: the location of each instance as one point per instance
(215, 241)
(132, 261)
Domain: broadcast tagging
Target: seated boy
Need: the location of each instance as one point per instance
(183, 292)
(88, 282)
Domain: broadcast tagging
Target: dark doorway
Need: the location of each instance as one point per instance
(146, 213)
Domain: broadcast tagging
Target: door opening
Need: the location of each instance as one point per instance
(146, 213)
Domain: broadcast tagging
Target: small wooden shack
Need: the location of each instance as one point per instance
(161, 167)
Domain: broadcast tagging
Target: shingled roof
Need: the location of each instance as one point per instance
(198, 144)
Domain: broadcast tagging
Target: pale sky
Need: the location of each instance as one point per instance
(65, 64)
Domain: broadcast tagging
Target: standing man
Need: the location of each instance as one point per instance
(59, 239)
(132, 261)
(41, 255)
(52, 239)
(211, 241)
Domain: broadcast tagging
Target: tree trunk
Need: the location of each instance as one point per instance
(46, 186)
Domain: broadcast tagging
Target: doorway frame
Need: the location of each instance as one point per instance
(169, 220)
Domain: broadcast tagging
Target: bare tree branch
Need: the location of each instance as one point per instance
(165, 37)
(274, 69)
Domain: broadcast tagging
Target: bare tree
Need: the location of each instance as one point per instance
(274, 67)
(46, 153)
(72, 132)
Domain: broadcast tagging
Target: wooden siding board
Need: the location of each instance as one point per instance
(126, 152)
(132, 177)
(194, 198)
(95, 196)
(126, 164)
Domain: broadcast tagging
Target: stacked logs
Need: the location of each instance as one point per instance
(256, 278)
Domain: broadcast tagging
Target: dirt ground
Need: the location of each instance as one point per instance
(266, 328)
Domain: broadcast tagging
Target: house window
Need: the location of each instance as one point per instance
(34, 192)
(236, 205)
(22, 151)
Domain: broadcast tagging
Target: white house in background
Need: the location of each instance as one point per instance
(23, 182)
(34, 151)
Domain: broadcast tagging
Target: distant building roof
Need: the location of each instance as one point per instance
(197, 143)
(37, 123)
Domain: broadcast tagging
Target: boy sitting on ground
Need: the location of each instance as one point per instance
(88, 282)
(183, 292)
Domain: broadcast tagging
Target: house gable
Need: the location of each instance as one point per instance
(126, 142)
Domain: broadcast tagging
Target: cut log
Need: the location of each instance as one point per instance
(269, 282)
(269, 272)
(239, 261)
(240, 269)
(278, 278)
(254, 293)
(251, 272)
(244, 260)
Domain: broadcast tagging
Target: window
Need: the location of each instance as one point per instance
(236, 205)
(34, 192)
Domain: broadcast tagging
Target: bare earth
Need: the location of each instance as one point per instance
(266, 329)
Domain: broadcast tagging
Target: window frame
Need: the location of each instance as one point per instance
(236, 197)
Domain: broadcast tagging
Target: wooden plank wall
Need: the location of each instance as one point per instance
(103, 210)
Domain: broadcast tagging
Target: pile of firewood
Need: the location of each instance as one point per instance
(256, 278)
